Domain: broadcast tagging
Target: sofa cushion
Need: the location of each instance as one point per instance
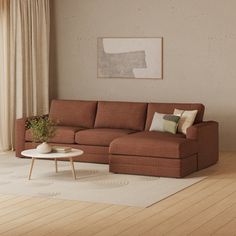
(63, 134)
(168, 108)
(154, 144)
(121, 115)
(100, 136)
(73, 113)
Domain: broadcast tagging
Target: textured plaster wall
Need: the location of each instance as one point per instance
(199, 53)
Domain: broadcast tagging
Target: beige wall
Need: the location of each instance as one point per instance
(199, 53)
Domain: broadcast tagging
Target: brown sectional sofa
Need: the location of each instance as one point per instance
(118, 133)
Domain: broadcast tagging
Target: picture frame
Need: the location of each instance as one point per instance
(130, 58)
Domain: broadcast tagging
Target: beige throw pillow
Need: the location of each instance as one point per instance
(164, 123)
(186, 119)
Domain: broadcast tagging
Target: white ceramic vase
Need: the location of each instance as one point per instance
(44, 148)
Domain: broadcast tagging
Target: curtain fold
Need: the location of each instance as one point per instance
(24, 72)
(5, 99)
(32, 29)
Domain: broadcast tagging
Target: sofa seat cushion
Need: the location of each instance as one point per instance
(154, 144)
(64, 134)
(99, 136)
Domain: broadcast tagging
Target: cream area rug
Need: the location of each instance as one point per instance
(94, 183)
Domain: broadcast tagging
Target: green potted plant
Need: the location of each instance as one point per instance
(43, 128)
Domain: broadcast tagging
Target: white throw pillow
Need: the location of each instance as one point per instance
(164, 123)
(186, 119)
(157, 122)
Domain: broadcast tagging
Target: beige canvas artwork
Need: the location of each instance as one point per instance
(130, 58)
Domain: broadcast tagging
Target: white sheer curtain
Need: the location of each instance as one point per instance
(24, 63)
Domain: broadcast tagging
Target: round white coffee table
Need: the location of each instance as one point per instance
(52, 155)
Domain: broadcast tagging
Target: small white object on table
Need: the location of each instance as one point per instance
(32, 153)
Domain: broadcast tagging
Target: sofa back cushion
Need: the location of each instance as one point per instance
(168, 108)
(74, 113)
(121, 115)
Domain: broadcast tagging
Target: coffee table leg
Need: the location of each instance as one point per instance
(72, 167)
(31, 167)
(56, 165)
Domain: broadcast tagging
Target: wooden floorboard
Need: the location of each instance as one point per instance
(213, 224)
(228, 229)
(205, 208)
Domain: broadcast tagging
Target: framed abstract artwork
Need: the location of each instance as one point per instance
(135, 58)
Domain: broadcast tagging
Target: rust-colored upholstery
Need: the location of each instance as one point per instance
(121, 115)
(168, 108)
(143, 165)
(118, 133)
(20, 136)
(93, 154)
(73, 113)
(99, 136)
(154, 144)
(63, 134)
(207, 137)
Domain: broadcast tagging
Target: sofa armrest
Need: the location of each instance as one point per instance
(207, 136)
(20, 136)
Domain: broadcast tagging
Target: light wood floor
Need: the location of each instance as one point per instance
(206, 208)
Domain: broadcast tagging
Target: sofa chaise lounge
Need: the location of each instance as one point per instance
(118, 133)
